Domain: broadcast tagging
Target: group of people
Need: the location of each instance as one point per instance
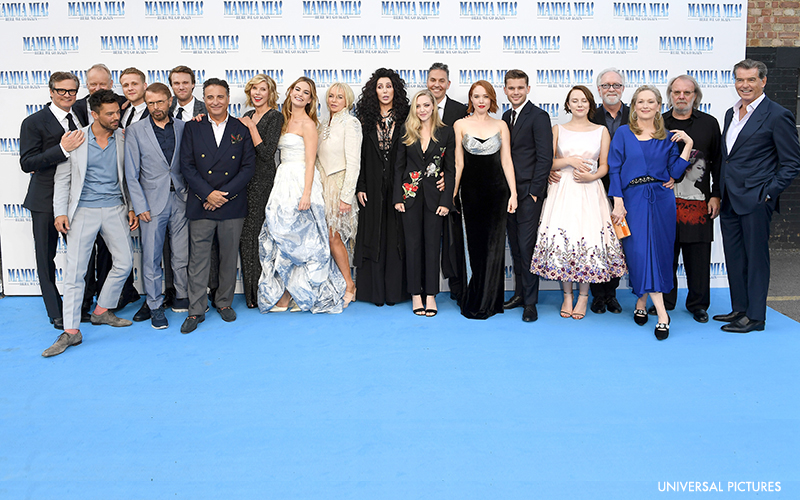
(401, 190)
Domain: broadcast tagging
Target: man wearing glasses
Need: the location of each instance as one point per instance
(46, 139)
(696, 197)
(158, 193)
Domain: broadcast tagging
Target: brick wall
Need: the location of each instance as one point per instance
(773, 36)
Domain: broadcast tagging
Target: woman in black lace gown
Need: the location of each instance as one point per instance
(382, 109)
(265, 123)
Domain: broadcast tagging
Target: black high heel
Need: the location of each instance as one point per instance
(640, 317)
(662, 329)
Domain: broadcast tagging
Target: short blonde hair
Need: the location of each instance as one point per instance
(349, 96)
(272, 99)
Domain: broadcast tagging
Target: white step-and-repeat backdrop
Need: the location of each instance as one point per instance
(559, 44)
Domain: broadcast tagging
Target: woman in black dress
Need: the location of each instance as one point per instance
(485, 174)
(264, 122)
(382, 109)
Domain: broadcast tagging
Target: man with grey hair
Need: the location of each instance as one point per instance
(696, 197)
(760, 158)
(98, 77)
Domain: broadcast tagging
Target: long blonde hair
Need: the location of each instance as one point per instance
(413, 125)
(633, 122)
(311, 108)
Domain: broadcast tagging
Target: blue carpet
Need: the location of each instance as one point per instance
(377, 403)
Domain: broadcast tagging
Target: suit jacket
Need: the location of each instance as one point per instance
(227, 168)
(410, 170)
(148, 172)
(531, 150)
(453, 111)
(71, 174)
(199, 107)
(40, 154)
(764, 159)
(600, 119)
(81, 108)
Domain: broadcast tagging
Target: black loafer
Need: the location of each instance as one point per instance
(652, 310)
(191, 322)
(598, 306)
(662, 330)
(227, 314)
(744, 325)
(640, 317)
(530, 314)
(613, 306)
(58, 323)
(86, 317)
(513, 302)
(143, 314)
(700, 315)
(730, 317)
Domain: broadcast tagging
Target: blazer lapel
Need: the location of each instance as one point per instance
(225, 143)
(524, 114)
(53, 126)
(753, 124)
(151, 136)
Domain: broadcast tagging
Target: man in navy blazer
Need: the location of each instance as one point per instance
(760, 158)
(158, 193)
(532, 154)
(217, 161)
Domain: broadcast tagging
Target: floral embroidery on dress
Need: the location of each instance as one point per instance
(576, 261)
(410, 188)
(435, 167)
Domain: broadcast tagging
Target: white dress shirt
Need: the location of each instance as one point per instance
(137, 110)
(61, 116)
(188, 110)
(737, 125)
(219, 130)
(440, 105)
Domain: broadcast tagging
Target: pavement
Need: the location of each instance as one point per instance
(784, 283)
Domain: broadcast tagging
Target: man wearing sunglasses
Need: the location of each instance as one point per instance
(47, 138)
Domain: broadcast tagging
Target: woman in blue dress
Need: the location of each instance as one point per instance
(643, 161)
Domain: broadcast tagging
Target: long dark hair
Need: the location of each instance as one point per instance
(368, 109)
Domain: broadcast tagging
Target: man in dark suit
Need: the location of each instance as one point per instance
(98, 77)
(47, 138)
(532, 154)
(453, 259)
(612, 113)
(217, 161)
(760, 158)
(184, 106)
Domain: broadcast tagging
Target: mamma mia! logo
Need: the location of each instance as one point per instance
(95, 11)
(713, 78)
(183, 10)
(370, 44)
(542, 44)
(414, 78)
(49, 45)
(240, 77)
(33, 79)
(9, 146)
(16, 212)
(641, 11)
(451, 44)
(557, 78)
(147, 44)
(24, 11)
(209, 44)
(565, 10)
(609, 44)
(290, 44)
(496, 77)
(326, 77)
(638, 77)
(331, 9)
(162, 76)
(686, 45)
(410, 10)
(252, 9)
(33, 108)
(487, 11)
(715, 11)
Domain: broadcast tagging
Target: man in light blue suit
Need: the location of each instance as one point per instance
(158, 193)
(90, 197)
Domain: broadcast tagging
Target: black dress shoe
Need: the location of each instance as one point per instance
(530, 314)
(598, 306)
(743, 325)
(613, 306)
(86, 317)
(515, 301)
(652, 310)
(143, 314)
(58, 323)
(730, 317)
(700, 315)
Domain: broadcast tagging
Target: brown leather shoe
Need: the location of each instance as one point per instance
(60, 345)
(109, 318)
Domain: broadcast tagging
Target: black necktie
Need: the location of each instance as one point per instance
(179, 115)
(71, 123)
(513, 117)
(130, 118)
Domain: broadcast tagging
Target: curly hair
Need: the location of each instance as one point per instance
(368, 109)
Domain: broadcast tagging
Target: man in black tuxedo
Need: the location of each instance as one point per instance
(217, 161)
(760, 158)
(98, 77)
(532, 154)
(453, 260)
(46, 139)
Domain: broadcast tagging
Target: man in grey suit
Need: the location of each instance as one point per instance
(89, 198)
(158, 193)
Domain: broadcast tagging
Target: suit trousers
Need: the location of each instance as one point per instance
(745, 239)
(423, 241)
(697, 264)
(112, 224)
(523, 228)
(172, 219)
(104, 263)
(201, 234)
(45, 240)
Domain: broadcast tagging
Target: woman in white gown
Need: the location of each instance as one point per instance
(297, 269)
(576, 240)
